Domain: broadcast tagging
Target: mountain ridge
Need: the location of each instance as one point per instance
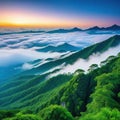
(59, 48)
(75, 29)
(113, 27)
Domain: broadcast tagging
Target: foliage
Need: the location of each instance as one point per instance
(7, 113)
(104, 114)
(20, 116)
(55, 112)
(105, 103)
(94, 96)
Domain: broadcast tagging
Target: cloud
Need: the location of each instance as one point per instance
(19, 48)
(84, 64)
(18, 56)
(27, 66)
(81, 39)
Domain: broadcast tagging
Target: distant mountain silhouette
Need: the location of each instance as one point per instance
(20, 32)
(75, 29)
(113, 27)
(94, 28)
(65, 30)
(60, 48)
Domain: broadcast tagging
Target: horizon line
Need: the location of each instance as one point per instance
(55, 26)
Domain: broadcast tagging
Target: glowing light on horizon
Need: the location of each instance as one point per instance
(11, 18)
(22, 18)
(49, 13)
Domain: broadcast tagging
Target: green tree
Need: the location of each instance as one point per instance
(78, 71)
(55, 112)
(21, 116)
(92, 67)
(103, 114)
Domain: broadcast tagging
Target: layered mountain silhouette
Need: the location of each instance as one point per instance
(75, 29)
(21, 32)
(113, 27)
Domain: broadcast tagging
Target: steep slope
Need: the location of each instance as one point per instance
(91, 92)
(95, 93)
(105, 100)
(22, 92)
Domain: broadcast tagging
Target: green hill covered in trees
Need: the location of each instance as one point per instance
(91, 96)
(94, 95)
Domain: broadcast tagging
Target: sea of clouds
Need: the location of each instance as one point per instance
(21, 48)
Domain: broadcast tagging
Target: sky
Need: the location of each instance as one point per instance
(59, 13)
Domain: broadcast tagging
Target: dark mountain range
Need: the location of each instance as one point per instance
(95, 28)
(111, 28)
(21, 32)
(65, 30)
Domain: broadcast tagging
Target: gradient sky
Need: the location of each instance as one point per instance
(59, 13)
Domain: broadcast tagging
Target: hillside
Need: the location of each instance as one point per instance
(86, 96)
(26, 88)
(84, 92)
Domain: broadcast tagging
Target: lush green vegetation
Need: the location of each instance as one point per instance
(33, 90)
(7, 113)
(55, 112)
(91, 96)
(83, 96)
(105, 100)
(104, 114)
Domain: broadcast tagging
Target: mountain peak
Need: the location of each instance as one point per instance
(113, 27)
(94, 28)
(76, 29)
(65, 44)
